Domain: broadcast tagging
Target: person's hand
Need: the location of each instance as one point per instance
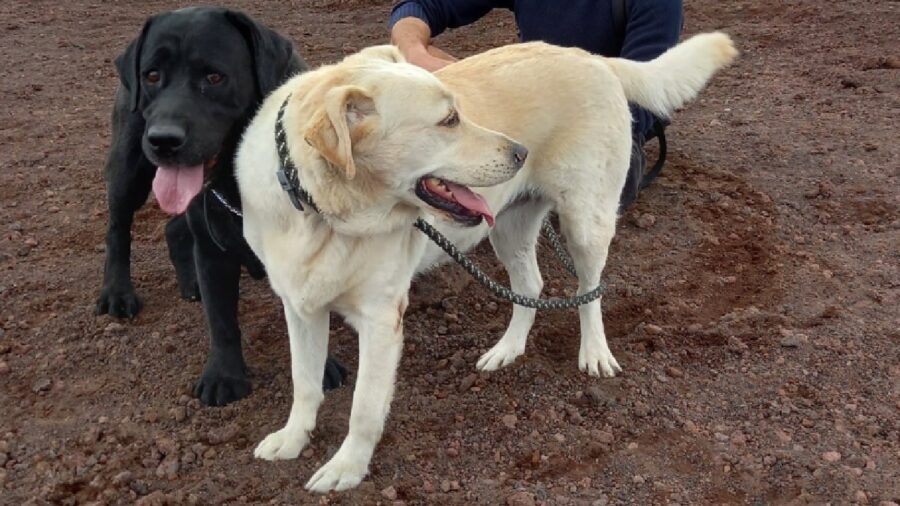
(431, 59)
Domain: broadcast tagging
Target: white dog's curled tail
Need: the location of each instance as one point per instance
(676, 76)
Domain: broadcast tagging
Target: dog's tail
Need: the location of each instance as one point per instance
(676, 76)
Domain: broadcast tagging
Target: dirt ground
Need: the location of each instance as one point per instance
(750, 296)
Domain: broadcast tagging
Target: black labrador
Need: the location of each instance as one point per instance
(190, 83)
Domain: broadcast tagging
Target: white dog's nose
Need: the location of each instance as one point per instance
(520, 153)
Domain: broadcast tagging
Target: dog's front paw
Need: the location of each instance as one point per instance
(190, 290)
(501, 355)
(119, 302)
(282, 445)
(598, 361)
(342, 472)
(215, 389)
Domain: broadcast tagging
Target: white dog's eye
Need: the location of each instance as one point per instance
(451, 120)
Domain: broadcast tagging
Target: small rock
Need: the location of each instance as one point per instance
(559, 438)
(114, 328)
(467, 382)
(638, 479)
(653, 329)
(646, 221)
(509, 421)
(599, 396)
(139, 487)
(122, 478)
(168, 468)
(790, 342)
(389, 493)
(225, 435)
(491, 307)
(603, 436)
(157, 498)
(308, 453)
(674, 372)
(861, 497)
(166, 445)
(3, 459)
(831, 456)
(445, 486)
(735, 345)
(521, 498)
(41, 385)
(179, 413)
(4, 367)
(641, 409)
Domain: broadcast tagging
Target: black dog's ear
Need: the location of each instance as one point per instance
(129, 66)
(273, 55)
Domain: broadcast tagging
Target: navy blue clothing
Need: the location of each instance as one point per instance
(651, 27)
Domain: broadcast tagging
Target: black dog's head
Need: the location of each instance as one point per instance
(196, 76)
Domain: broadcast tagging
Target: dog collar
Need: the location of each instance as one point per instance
(287, 171)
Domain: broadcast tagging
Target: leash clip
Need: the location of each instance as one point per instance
(289, 188)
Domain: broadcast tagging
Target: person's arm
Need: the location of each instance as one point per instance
(414, 22)
(652, 27)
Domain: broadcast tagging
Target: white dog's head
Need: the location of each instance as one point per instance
(381, 138)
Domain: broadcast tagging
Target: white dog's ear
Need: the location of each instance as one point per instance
(337, 126)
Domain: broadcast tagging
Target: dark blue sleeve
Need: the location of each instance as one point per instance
(443, 14)
(652, 27)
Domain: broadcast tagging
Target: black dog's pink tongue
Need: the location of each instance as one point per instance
(174, 187)
(471, 201)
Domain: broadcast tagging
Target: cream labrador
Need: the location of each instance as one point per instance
(378, 143)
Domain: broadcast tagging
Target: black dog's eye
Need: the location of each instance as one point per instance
(215, 78)
(451, 120)
(152, 77)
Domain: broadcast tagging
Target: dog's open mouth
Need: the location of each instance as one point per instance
(461, 203)
(176, 185)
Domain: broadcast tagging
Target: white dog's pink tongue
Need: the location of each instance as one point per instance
(471, 201)
(174, 187)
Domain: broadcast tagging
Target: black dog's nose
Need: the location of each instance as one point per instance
(520, 153)
(166, 138)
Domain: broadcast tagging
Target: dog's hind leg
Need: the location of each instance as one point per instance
(309, 348)
(514, 239)
(380, 346)
(588, 233)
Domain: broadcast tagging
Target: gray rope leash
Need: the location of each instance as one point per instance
(558, 247)
(500, 290)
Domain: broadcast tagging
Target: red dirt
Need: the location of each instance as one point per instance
(749, 301)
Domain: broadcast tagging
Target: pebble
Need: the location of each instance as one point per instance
(114, 328)
(224, 435)
(179, 414)
(602, 436)
(509, 421)
(122, 478)
(41, 385)
(168, 468)
(646, 221)
(735, 345)
(653, 329)
(831, 456)
(4, 367)
(641, 409)
(674, 372)
(389, 493)
(599, 396)
(445, 486)
(157, 498)
(521, 498)
(638, 479)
